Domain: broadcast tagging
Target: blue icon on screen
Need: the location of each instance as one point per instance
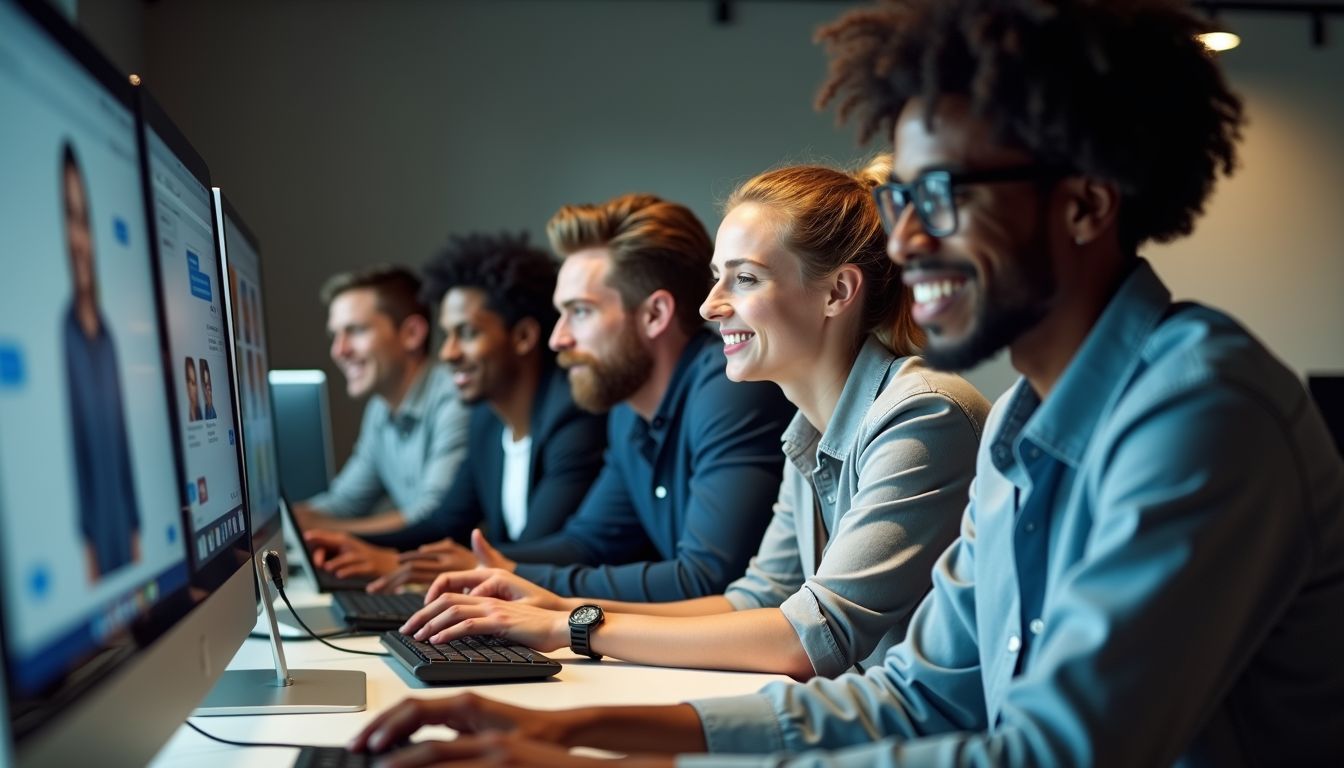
(172, 534)
(39, 581)
(230, 437)
(191, 492)
(121, 230)
(11, 365)
(200, 282)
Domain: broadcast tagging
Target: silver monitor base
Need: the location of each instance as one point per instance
(255, 692)
(283, 691)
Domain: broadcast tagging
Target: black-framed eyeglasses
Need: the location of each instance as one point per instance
(932, 194)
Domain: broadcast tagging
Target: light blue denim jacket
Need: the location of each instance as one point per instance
(891, 474)
(1151, 571)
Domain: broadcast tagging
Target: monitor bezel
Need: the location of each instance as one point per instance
(266, 534)
(151, 115)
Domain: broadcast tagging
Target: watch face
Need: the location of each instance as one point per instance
(585, 614)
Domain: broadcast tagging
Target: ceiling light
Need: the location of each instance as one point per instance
(1219, 41)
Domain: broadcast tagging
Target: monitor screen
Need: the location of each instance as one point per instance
(188, 263)
(303, 432)
(243, 264)
(90, 514)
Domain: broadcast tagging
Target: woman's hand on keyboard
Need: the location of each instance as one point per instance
(497, 583)
(452, 615)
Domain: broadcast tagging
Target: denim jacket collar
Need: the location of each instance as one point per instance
(1064, 423)
(870, 372)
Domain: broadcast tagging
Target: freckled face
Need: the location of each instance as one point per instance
(769, 316)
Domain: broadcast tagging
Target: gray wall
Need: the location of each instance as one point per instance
(354, 132)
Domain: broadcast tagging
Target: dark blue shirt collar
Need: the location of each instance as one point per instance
(674, 399)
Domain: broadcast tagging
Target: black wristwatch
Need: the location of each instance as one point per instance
(582, 621)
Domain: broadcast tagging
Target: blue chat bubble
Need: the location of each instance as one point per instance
(200, 285)
(39, 581)
(11, 365)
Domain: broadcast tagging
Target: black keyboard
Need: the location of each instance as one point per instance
(476, 658)
(362, 610)
(332, 757)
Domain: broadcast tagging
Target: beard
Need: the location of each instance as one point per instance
(601, 384)
(1016, 305)
(995, 328)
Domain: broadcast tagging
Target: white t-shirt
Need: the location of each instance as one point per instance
(513, 490)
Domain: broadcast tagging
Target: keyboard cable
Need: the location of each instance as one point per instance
(272, 563)
(234, 743)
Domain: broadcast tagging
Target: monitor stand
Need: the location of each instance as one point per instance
(283, 691)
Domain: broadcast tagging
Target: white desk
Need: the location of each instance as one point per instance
(581, 683)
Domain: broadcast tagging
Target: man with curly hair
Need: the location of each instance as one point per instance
(533, 452)
(1151, 566)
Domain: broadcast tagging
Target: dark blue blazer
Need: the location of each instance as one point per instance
(567, 447)
(684, 499)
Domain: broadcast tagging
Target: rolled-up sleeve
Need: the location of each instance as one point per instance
(928, 684)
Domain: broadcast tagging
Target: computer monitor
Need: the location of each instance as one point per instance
(282, 690)
(303, 432)
(247, 338)
(102, 614)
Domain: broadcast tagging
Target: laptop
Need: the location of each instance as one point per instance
(323, 580)
(351, 605)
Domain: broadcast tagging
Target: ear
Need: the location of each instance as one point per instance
(413, 332)
(845, 290)
(1092, 208)
(525, 336)
(657, 313)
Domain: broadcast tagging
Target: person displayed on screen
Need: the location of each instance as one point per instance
(1151, 566)
(413, 435)
(534, 452)
(208, 389)
(193, 389)
(692, 460)
(109, 513)
(878, 458)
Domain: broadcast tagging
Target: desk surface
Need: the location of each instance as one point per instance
(581, 683)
